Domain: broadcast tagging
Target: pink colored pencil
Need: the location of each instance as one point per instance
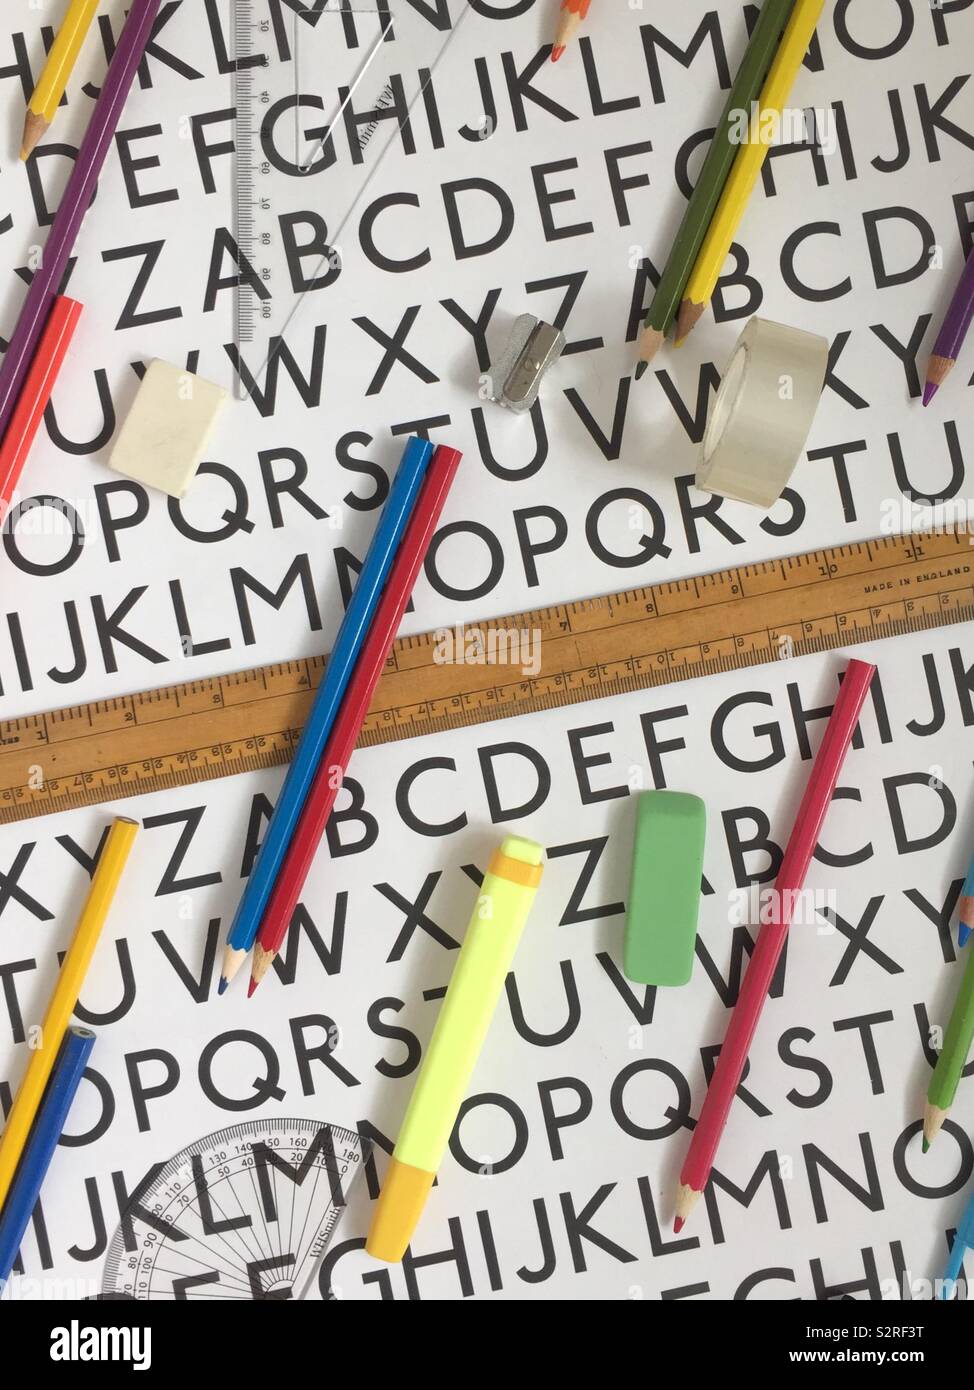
(354, 708)
(771, 938)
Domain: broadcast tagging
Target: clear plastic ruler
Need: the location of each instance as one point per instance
(327, 93)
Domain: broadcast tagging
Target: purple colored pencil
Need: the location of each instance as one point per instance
(77, 198)
(950, 340)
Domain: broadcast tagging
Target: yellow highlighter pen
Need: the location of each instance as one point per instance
(506, 896)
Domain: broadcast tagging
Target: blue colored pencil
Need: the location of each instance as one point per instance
(966, 908)
(40, 1148)
(963, 1238)
(341, 664)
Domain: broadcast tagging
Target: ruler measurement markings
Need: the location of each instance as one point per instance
(577, 664)
(245, 56)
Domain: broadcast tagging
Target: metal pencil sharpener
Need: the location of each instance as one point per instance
(533, 347)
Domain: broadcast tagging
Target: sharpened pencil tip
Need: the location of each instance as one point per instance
(223, 986)
(34, 128)
(251, 987)
(963, 933)
(556, 52)
(678, 1223)
(929, 391)
(687, 319)
(641, 368)
(926, 1144)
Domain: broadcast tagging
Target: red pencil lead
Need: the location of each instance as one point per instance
(573, 12)
(678, 1224)
(251, 987)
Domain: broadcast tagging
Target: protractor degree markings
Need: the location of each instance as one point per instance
(255, 1255)
(251, 1172)
(119, 1259)
(233, 1273)
(272, 1173)
(220, 1235)
(302, 1258)
(229, 1282)
(295, 1189)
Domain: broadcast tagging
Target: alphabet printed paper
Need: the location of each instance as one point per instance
(555, 191)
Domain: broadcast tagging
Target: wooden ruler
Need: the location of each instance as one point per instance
(515, 665)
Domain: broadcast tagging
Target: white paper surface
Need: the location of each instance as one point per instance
(563, 1174)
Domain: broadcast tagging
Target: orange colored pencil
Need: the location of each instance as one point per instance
(573, 13)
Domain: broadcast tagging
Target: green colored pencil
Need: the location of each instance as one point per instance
(710, 185)
(952, 1059)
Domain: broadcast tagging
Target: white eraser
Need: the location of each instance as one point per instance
(165, 433)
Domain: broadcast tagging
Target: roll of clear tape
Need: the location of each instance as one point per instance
(763, 413)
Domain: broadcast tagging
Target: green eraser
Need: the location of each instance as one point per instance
(664, 893)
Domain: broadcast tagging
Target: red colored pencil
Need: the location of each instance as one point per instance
(38, 385)
(573, 13)
(354, 708)
(771, 938)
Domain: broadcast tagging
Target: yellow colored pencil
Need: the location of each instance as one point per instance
(43, 105)
(748, 164)
(65, 998)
